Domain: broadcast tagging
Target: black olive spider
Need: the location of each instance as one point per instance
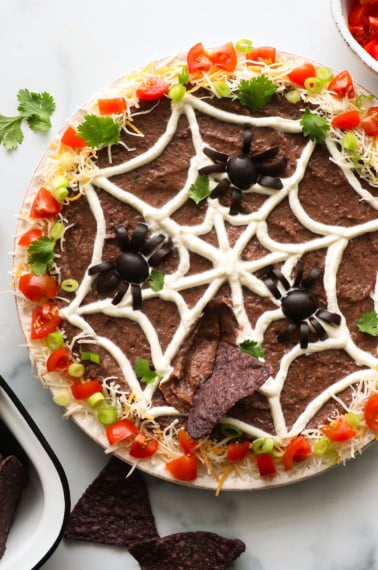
(243, 170)
(299, 305)
(139, 253)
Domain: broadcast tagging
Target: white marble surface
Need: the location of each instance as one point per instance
(71, 49)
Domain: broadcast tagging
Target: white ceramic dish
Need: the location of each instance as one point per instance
(45, 504)
(340, 10)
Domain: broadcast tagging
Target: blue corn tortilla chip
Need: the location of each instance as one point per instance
(13, 480)
(114, 510)
(199, 550)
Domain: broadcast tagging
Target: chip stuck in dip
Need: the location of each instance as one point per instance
(200, 294)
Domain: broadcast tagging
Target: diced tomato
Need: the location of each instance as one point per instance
(112, 106)
(37, 288)
(302, 72)
(143, 446)
(369, 122)
(264, 54)
(45, 319)
(342, 85)
(358, 16)
(120, 431)
(371, 413)
(224, 57)
(59, 360)
(339, 430)
(187, 443)
(198, 59)
(72, 139)
(44, 205)
(297, 450)
(236, 451)
(83, 390)
(152, 89)
(372, 48)
(363, 23)
(28, 237)
(347, 120)
(265, 463)
(183, 468)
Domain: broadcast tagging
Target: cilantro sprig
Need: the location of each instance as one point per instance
(200, 189)
(252, 348)
(144, 372)
(99, 131)
(35, 108)
(314, 126)
(156, 280)
(368, 323)
(256, 92)
(41, 254)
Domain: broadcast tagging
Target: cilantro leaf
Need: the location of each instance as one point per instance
(156, 280)
(144, 372)
(256, 92)
(99, 131)
(200, 190)
(314, 126)
(41, 254)
(10, 132)
(36, 108)
(252, 348)
(368, 323)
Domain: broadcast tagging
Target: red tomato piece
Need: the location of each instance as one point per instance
(371, 413)
(120, 431)
(183, 468)
(347, 120)
(297, 450)
(198, 59)
(112, 106)
(45, 319)
(187, 443)
(265, 463)
(302, 72)
(152, 89)
(59, 360)
(339, 430)
(342, 85)
(224, 57)
(358, 16)
(83, 390)
(44, 205)
(264, 54)
(372, 48)
(236, 451)
(369, 122)
(72, 139)
(36, 288)
(143, 446)
(28, 237)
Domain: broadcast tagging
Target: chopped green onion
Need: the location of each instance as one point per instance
(60, 181)
(92, 356)
(183, 76)
(222, 89)
(69, 285)
(67, 159)
(331, 457)
(349, 141)
(76, 369)
(322, 446)
(62, 397)
(54, 340)
(229, 430)
(264, 445)
(96, 399)
(293, 96)
(313, 85)
(107, 416)
(57, 230)
(324, 74)
(243, 45)
(60, 193)
(353, 419)
(177, 92)
(363, 101)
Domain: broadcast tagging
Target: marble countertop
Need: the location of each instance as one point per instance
(71, 49)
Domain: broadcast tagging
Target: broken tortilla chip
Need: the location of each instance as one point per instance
(13, 479)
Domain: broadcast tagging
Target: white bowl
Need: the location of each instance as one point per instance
(340, 10)
(39, 522)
